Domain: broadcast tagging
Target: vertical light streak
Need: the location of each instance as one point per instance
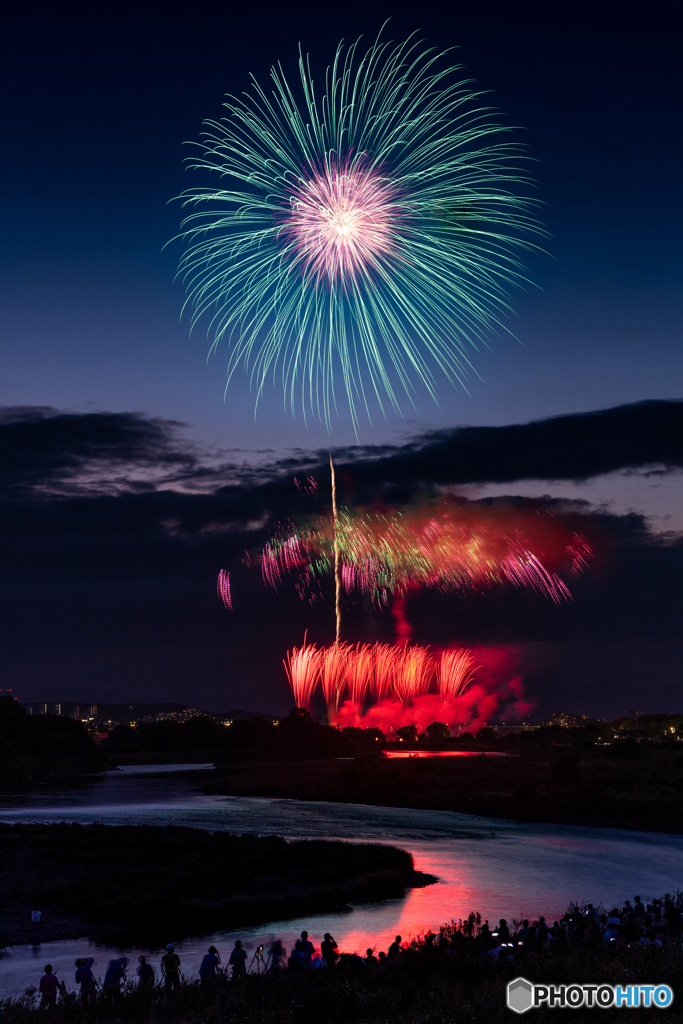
(337, 561)
(454, 673)
(302, 666)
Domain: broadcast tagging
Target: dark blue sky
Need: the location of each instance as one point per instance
(98, 101)
(110, 592)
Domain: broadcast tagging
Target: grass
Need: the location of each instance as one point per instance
(577, 788)
(427, 986)
(148, 882)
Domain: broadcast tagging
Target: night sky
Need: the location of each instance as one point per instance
(128, 480)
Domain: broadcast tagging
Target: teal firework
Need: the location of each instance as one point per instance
(364, 233)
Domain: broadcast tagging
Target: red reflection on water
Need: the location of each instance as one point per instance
(446, 753)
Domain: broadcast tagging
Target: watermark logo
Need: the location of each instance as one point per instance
(523, 995)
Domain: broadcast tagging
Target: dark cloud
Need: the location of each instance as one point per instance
(42, 447)
(574, 447)
(68, 452)
(108, 592)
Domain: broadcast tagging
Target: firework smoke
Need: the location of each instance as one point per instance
(473, 685)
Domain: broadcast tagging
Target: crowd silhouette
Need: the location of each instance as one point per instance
(634, 924)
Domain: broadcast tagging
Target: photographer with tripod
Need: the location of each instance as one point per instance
(278, 956)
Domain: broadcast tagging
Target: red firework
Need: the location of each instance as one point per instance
(302, 666)
(454, 673)
(413, 672)
(385, 667)
(333, 667)
(223, 588)
(359, 671)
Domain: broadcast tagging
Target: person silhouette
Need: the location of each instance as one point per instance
(238, 961)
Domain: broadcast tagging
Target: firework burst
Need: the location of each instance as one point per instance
(360, 671)
(223, 588)
(365, 232)
(447, 546)
(454, 673)
(302, 666)
(333, 667)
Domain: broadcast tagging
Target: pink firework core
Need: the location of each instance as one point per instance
(341, 220)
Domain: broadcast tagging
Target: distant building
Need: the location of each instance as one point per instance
(568, 721)
(180, 716)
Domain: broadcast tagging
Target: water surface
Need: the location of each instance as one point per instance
(498, 867)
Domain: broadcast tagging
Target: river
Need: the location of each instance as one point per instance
(498, 867)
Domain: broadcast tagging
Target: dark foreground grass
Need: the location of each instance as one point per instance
(426, 986)
(576, 788)
(127, 883)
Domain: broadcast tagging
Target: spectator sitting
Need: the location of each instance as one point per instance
(370, 958)
(611, 934)
(613, 918)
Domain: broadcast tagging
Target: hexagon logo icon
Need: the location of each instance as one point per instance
(520, 995)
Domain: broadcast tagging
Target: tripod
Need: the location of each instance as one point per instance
(258, 959)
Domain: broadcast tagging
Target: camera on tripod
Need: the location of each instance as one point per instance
(259, 960)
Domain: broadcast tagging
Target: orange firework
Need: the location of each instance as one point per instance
(454, 673)
(359, 671)
(385, 665)
(333, 665)
(413, 672)
(302, 666)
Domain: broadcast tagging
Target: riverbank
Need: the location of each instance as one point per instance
(572, 789)
(127, 883)
(461, 973)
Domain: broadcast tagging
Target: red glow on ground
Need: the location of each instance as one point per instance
(446, 753)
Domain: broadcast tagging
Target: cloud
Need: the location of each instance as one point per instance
(43, 449)
(574, 447)
(114, 529)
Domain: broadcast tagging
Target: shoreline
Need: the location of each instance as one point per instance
(591, 792)
(111, 883)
